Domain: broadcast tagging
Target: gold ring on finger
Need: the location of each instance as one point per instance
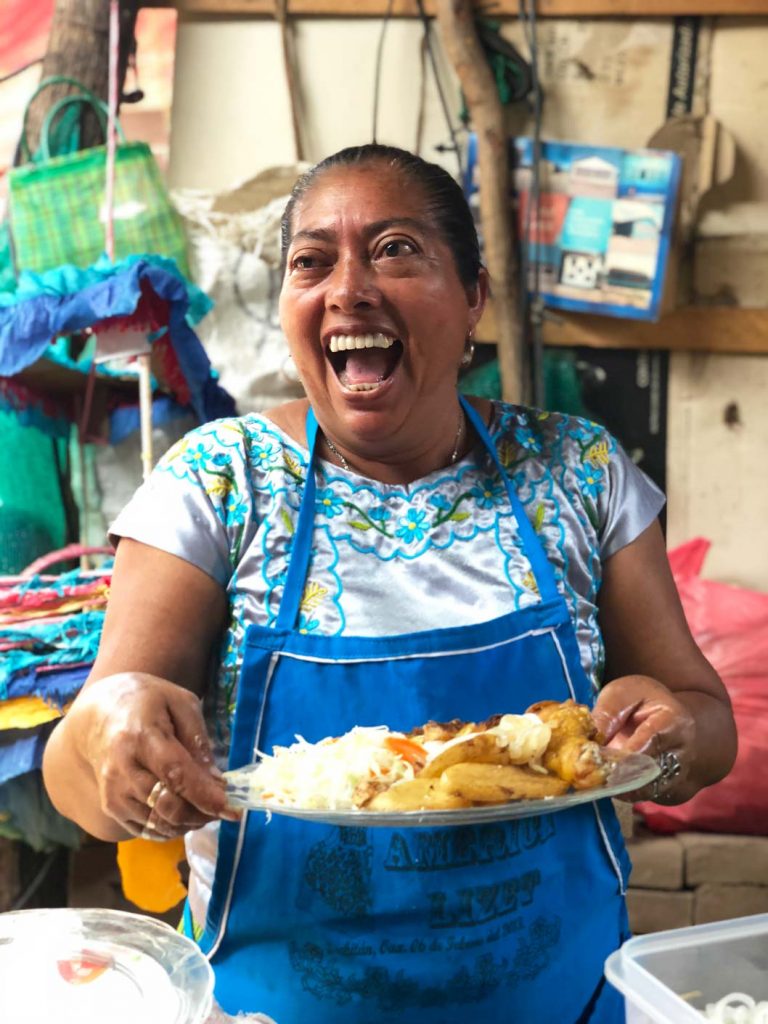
(148, 832)
(155, 793)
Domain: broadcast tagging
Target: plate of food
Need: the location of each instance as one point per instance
(443, 773)
(91, 966)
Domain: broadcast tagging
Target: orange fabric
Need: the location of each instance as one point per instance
(150, 873)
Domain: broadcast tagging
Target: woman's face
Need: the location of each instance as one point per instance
(373, 309)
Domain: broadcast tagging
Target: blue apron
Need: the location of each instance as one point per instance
(319, 924)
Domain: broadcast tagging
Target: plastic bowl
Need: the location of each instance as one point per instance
(92, 966)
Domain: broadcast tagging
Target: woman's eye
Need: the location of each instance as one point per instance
(304, 262)
(397, 247)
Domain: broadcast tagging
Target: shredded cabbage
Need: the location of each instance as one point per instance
(325, 775)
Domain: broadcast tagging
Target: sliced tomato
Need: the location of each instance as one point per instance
(84, 967)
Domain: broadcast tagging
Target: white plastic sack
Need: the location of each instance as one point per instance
(234, 251)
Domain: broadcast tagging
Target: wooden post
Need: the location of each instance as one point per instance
(78, 47)
(456, 19)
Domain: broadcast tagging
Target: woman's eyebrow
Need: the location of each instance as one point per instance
(374, 228)
(397, 222)
(314, 235)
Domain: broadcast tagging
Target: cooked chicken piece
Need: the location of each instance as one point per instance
(574, 752)
(578, 761)
(441, 732)
(566, 719)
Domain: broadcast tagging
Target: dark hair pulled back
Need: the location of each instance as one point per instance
(445, 200)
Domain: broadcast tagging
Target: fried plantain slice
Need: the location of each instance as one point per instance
(417, 794)
(480, 783)
(484, 747)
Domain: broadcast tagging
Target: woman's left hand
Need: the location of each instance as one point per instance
(638, 714)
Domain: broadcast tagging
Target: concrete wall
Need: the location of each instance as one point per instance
(231, 113)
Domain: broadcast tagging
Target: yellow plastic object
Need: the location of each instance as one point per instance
(150, 873)
(26, 712)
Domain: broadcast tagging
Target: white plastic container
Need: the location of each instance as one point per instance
(669, 977)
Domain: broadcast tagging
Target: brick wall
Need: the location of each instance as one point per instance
(695, 877)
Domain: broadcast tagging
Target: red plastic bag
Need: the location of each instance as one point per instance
(730, 625)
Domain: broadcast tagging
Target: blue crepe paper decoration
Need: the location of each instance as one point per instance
(69, 299)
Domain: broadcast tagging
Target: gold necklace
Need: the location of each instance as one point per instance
(451, 461)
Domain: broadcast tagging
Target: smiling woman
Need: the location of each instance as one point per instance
(383, 287)
(387, 553)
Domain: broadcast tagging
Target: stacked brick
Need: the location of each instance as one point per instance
(695, 877)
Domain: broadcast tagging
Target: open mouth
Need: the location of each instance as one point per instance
(363, 362)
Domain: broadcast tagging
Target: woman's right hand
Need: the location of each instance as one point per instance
(145, 741)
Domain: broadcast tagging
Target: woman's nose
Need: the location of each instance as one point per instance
(352, 286)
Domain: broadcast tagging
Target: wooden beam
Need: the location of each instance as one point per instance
(464, 49)
(723, 329)
(494, 8)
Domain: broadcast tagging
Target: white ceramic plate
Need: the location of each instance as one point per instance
(98, 966)
(630, 772)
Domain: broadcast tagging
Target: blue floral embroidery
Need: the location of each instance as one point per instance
(235, 509)
(328, 503)
(412, 527)
(307, 625)
(265, 454)
(489, 493)
(526, 438)
(440, 502)
(590, 478)
(196, 457)
(380, 514)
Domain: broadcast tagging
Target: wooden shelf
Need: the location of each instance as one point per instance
(690, 329)
(494, 8)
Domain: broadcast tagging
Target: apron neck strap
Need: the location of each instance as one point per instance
(302, 541)
(532, 546)
(298, 563)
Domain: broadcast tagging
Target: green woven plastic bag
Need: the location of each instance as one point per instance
(57, 208)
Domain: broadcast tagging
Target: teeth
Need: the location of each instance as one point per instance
(363, 387)
(348, 342)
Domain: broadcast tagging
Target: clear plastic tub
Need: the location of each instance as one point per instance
(99, 967)
(670, 977)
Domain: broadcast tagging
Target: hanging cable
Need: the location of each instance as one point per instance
(531, 291)
(112, 105)
(421, 111)
(377, 71)
(438, 85)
